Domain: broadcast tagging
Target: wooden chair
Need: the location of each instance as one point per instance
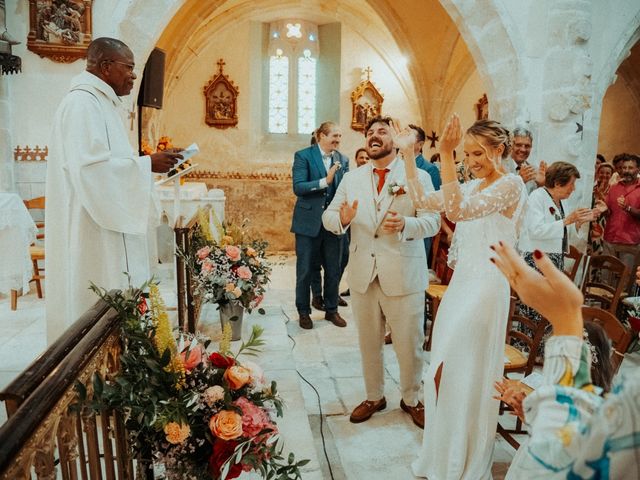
(620, 336)
(37, 251)
(605, 279)
(575, 255)
(520, 362)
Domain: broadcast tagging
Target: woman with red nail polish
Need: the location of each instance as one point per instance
(467, 354)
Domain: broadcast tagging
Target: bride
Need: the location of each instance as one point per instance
(467, 353)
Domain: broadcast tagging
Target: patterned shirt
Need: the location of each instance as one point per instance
(575, 434)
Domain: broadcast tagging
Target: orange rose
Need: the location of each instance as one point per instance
(226, 425)
(176, 432)
(237, 377)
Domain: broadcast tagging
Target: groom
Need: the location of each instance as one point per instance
(387, 266)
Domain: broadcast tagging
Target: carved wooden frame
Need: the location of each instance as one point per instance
(366, 103)
(482, 108)
(58, 52)
(228, 117)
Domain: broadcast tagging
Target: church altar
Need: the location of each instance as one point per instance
(192, 195)
(17, 232)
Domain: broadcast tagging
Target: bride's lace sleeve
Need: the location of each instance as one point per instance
(467, 205)
(433, 201)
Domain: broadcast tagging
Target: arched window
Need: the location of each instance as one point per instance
(293, 60)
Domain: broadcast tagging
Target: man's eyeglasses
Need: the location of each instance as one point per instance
(130, 66)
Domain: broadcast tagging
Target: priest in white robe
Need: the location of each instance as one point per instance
(98, 190)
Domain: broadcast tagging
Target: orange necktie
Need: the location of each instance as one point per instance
(382, 173)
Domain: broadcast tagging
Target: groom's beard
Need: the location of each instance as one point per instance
(383, 150)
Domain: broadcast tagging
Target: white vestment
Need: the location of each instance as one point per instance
(98, 204)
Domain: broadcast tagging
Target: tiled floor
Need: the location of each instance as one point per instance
(326, 357)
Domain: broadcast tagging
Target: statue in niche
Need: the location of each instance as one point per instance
(366, 101)
(59, 29)
(221, 100)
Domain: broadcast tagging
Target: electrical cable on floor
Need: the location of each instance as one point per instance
(324, 445)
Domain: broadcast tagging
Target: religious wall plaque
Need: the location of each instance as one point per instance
(221, 100)
(59, 29)
(366, 102)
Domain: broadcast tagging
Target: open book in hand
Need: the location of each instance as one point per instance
(183, 164)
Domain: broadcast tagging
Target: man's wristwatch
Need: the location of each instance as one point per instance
(628, 209)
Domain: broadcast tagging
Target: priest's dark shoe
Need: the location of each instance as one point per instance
(318, 303)
(305, 321)
(367, 408)
(335, 318)
(342, 302)
(416, 413)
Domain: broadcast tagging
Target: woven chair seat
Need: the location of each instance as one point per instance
(437, 291)
(516, 359)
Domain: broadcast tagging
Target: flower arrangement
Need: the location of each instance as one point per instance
(396, 188)
(199, 414)
(163, 144)
(233, 270)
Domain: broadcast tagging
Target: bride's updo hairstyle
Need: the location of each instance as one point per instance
(491, 133)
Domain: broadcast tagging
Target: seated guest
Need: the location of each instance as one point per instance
(574, 433)
(545, 223)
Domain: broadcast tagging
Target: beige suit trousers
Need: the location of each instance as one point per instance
(404, 314)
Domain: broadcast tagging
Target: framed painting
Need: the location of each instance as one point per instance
(59, 29)
(221, 100)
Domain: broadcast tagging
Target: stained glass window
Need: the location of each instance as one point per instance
(279, 94)
(306, 93)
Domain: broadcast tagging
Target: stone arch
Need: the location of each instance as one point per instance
(495, 48)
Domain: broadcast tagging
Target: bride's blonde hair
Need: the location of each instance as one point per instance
(491, 133)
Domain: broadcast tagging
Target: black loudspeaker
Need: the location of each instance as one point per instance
(152, 80)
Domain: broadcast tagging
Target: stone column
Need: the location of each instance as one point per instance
(7, 182)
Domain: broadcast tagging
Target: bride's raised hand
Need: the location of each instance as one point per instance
(452, 135)
(403, 138)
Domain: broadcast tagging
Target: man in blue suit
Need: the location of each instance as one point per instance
(428, 167)
(317, 171)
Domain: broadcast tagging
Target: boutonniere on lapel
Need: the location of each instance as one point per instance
(396, 188)
(553, 212)
(337, 164)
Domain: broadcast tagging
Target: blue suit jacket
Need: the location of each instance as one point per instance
(431, 169)
(308, 169)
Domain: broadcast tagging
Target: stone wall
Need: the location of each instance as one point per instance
(265, 200)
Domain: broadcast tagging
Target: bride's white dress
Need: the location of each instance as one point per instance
(469, 333)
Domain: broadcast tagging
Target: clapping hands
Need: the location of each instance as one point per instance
(451, 136)
(348, 212)
(403, 138)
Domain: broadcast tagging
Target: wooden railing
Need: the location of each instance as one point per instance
(44, 436)
(188, 306)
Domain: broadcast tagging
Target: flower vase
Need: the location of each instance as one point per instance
(232, 314)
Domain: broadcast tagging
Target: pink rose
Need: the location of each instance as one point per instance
(244, 273)
(192, 358)
(232, 252)
(204, 252)
(207, 266)
(254, 418)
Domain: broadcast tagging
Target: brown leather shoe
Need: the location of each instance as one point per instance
(416, 413)
(336, 319)
(318, 303)
(367, 408)
(388, 339)
(342, 302)
(305, 321)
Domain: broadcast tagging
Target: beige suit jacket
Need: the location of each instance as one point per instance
(398, 260)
